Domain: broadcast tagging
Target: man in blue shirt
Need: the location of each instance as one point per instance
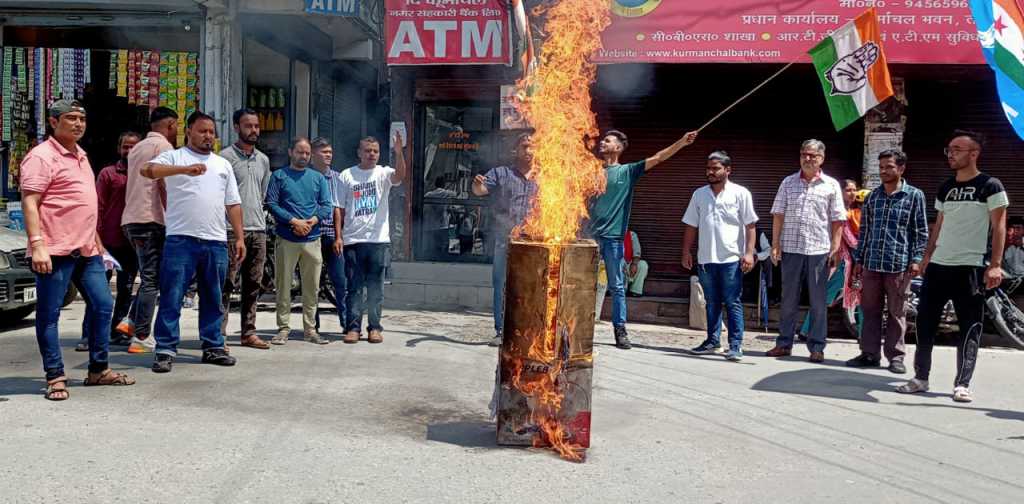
(299, 200)
(893, 237)
(513, 192)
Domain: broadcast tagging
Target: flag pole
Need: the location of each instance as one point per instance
(744, 97)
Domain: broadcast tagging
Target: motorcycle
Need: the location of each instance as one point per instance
(267, 284)
(1001, 313)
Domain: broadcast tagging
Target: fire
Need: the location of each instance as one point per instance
(557, 105)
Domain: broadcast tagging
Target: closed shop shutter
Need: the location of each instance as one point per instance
(348, 122)
(962, 97)
(762, 135)
(325, 104)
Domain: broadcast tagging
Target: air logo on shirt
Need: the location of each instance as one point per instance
(366, 200)
(961, 194)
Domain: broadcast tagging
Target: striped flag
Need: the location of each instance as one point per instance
(525, 37)
(851, 66)
(1000, 24)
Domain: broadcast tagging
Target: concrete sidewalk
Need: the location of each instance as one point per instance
(406, 421)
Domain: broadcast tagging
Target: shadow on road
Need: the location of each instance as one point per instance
(21, 385)
(831, 383)
(424, 337)
(468, 434)
(683, 352)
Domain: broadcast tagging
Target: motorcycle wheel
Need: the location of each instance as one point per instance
(1006, 318)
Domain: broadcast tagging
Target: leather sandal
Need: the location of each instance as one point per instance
(254, 341)
(108, 377)
(57, 386)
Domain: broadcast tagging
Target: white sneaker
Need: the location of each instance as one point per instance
(142, 346)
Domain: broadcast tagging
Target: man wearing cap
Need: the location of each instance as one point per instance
(143, 223)
(60, 206)
(609, 215)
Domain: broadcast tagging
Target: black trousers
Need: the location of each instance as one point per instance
(965, 286)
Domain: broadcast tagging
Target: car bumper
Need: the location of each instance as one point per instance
(17, 289)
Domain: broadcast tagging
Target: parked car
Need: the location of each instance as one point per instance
(17, 282)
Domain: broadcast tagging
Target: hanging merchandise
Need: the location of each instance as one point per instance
(122, 73)
(112, 72)
(5, 114)
(143, 92)
(154, 80)
(30, 64)
(38, 86)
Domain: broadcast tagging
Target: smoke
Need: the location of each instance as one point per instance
(629, 79)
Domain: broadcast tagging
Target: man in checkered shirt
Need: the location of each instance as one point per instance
(807, 222)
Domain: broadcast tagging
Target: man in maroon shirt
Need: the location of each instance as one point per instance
(110, 190)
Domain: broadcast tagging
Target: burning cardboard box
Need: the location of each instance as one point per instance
(547, 353)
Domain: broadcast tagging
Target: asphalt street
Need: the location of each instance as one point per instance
(407, 421)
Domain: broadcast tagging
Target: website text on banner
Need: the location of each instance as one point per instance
(755, 31)
(424, 32)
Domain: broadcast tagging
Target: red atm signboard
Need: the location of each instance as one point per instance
(447, 32)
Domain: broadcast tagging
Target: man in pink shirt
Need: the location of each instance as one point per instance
(110, 189)
(60, 205)
(143, 224)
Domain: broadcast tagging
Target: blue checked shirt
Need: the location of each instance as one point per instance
(327, 225)
(893, 230)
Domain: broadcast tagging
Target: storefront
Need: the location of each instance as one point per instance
(120, 63)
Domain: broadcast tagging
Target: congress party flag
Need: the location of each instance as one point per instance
(999, 25)
(851, 66)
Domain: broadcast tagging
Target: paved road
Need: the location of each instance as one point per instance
(406, 421)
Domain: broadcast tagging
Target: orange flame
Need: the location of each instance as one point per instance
(556, 103)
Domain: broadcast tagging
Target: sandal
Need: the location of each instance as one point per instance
(57, 386)
(254, 342)
(108, 377)
(962, 394)
(913, 386)
(82, 346)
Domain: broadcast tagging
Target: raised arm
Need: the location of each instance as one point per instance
(666, 153)
(399, 175)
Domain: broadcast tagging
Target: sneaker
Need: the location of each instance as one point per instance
(118, 339)
(82, 345)
(734, 355)
(163, 363)
(314, 337)
(897, 367)
(351, 337)
(218, 356)
(375, 336)
(188, 303)
(281, 338)
(495, 341)
(962, 394)
(622, 338)
(142, 345)
(864, 361)
(126, 327)
(705, 348)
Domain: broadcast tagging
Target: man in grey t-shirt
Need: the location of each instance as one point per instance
(252, 172)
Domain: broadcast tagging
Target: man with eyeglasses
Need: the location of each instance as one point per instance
(807, 223)
(957, 265)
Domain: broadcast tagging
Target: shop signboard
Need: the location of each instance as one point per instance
(347, 8)
(755, 31)
(447, 32)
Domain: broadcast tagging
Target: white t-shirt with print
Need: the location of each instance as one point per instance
(195, 205)
(364, 196)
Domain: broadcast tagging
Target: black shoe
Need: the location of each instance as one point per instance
(218, 356)
(622, 339)
(897, 367)
(863, 361)
(162, 363)
(118, 339)
(801, 337)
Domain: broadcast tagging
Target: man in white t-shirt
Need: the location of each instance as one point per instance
(363, 197)
(200, 187)
(722, 213)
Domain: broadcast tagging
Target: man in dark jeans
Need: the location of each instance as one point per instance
(363, 195)
(143, 223)
(110, 187)
(330, 238)
(252, 173)
(59, 199)
(201, 188)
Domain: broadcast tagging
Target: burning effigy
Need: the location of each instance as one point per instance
(546, 359)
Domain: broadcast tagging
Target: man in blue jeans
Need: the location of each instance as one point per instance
(363, 196)
(330, 232)
(61, 211)
(722, 215)
(609, 215)
(513, 192)
(201, 188)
